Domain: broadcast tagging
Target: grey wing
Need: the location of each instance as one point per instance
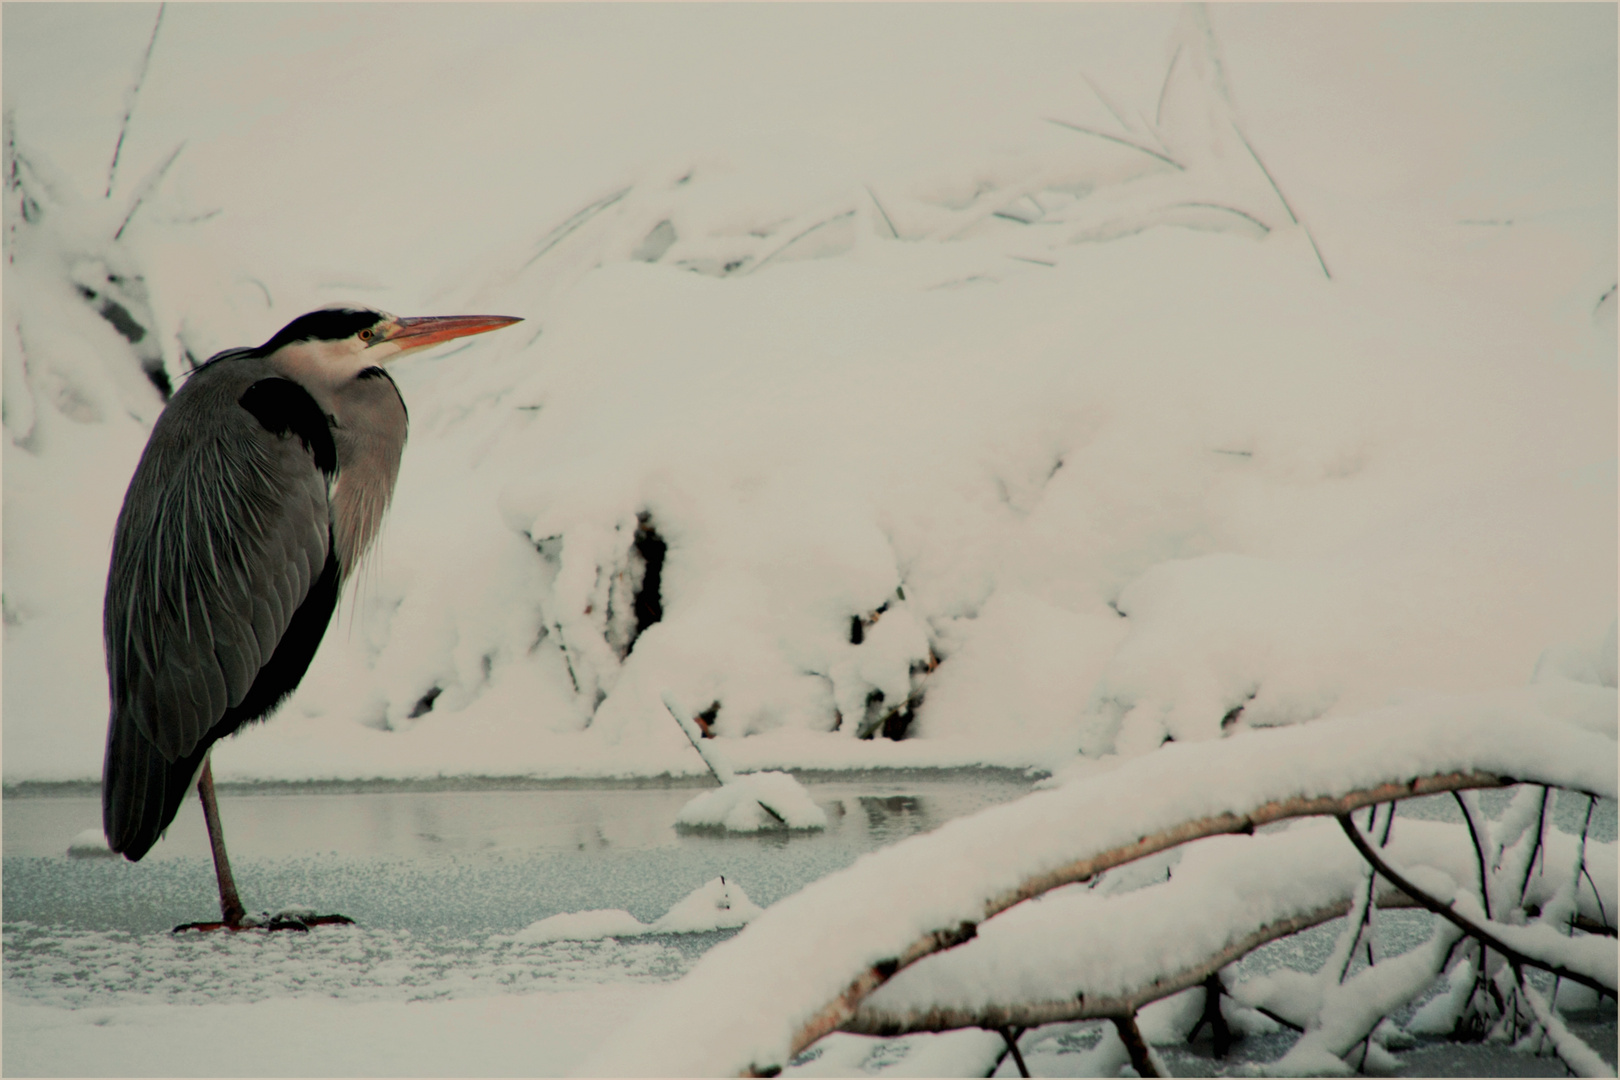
(224, 530)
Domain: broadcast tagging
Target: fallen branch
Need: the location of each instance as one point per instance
(940, 886)
(841, 1009)
(1135, 1045)
(1027, 1014)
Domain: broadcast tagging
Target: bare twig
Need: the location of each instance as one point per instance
(1581, 868)
(1448, 912)
(1164, 88)
(1135, 1045)
(721, 772)
(1220, 1034)
(573, 223)
(1537, 848)
(129, 103)
(800, 236)
(1293, 217)
(1229, 210)
(882, 211)
(147, 187)
(1011, 1036)
(1467, 806)
(1148, 150)
(1107, 104)
(1579, 1058)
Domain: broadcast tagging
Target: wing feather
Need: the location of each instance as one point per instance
(225, 529)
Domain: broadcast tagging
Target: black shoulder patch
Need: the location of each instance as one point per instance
(327, 324)
(282, 407)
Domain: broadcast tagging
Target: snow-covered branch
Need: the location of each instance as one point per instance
(809, 963)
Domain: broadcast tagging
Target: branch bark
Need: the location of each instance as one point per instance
(1030, 1014)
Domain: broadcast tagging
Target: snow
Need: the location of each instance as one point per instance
(949, 412)
(753, 802)
(89, 844)
(1082, 943)
(717, 905)
(542, 1035)
(981, 438)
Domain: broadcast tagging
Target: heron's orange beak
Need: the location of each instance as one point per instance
(418, 333)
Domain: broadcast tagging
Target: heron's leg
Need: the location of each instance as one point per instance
(230, 905)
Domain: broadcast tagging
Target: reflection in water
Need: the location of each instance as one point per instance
(893, 816)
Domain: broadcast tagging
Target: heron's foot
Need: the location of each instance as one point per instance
(292, 918)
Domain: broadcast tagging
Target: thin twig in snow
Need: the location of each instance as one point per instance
(1537, 848)
(1107, 104)
(1167, 159)
(1164, 87)
(801, 236)
(1479, 849)
(1448, 912)
(1581, 868)
(1229, 210)
(882, 211)
(577, 219)
(129, 104)
(1291, 215)
(718, 769)
(1579, 1058)
(147, 187)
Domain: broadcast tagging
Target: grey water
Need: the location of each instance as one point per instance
(471, 859)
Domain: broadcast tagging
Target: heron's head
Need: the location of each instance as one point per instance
(327, 348)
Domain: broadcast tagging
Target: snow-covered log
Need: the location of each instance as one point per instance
(805, 967)
(1077, 955)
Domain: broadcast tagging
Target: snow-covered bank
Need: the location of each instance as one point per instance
(1072, 433)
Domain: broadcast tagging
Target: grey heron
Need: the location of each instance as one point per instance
(264, 481)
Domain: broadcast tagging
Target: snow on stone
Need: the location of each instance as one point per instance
(803, 952)
(89, 844)
(716, 905)
(752, 802)
(581, 926)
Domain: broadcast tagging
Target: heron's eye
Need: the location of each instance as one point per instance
(366, 335)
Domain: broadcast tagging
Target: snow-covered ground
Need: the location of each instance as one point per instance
(1039, 382)
(1133, 460)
